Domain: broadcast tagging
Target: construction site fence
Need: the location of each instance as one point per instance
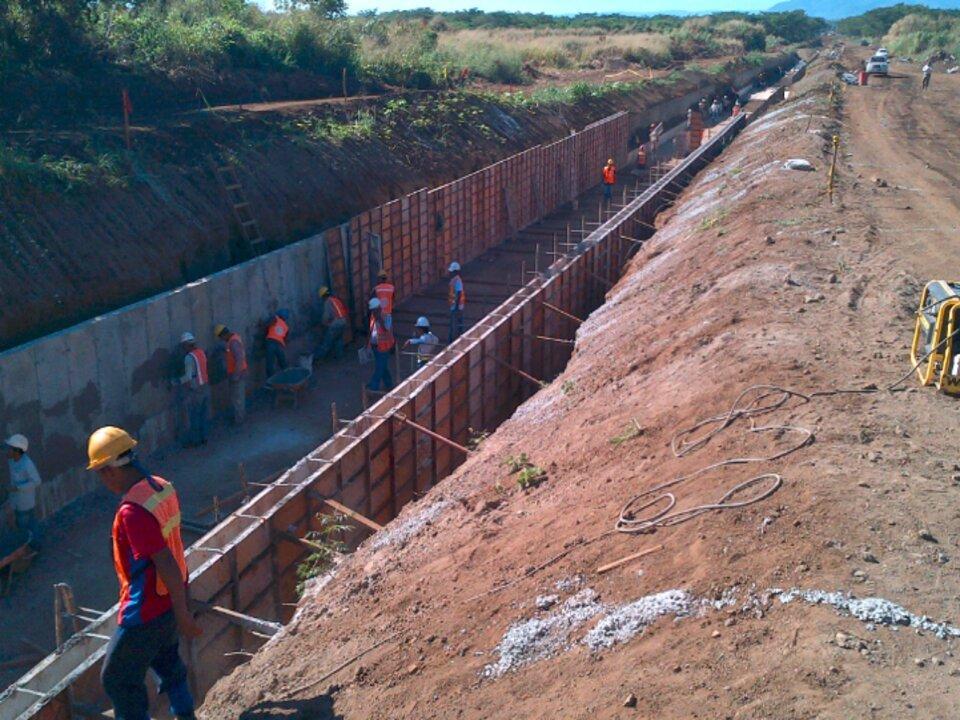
(379, 462)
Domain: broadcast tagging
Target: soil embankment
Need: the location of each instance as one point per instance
(484, 599)
(161, 217)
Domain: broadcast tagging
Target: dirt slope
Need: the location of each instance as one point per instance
(754, 278)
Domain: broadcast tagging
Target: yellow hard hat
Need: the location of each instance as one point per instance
(106, 445)
(323, 291)
(218, 330)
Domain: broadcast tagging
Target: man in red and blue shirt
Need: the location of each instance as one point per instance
(152, 571)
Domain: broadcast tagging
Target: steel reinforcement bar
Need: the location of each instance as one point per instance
(374, 465)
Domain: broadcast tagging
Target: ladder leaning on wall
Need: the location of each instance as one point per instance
(242, 213)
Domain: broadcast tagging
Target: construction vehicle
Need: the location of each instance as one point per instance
(936, 338)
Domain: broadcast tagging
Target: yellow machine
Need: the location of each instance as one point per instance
(938, 318)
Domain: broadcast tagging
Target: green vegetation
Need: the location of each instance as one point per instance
(325, 544)
(528, 474)
(910, 30)
(632, 431)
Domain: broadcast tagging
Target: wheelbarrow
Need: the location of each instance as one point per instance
(289, 384)
(15, 557)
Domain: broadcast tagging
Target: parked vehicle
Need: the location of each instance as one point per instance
(882, 52)
(878, 65)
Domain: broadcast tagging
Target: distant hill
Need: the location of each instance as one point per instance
(837, 9)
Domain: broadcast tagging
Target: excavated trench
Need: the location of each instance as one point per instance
(244, 572)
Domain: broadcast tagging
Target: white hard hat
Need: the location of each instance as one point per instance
(373, 304)
(18, 442)
(187, 337)
(422, 322)
(454, 266)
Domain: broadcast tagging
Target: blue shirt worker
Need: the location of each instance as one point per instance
(457, 300)
(426, 342)
(24, 481)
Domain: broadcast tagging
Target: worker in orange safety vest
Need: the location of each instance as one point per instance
(381, 342)
(195, 391)
(152, 572)
(385, 292)
(333, 319)
(609, 179)
(236, 361)
(276, 344)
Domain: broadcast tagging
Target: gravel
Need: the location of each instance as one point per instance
(542, 637)
(874, 611)
(398, 533)
(623, 622)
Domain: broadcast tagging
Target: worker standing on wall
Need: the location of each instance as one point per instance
(426, 342)
(236, 361)
(24, 481)
(277, 332)
(333, 319)
(384, 292)
(457, 300)
(195, 383)
(152, 571)
(381, 342)
(609, 179)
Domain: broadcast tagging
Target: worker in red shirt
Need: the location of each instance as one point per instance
(385, 292)
(609, 179)
(152, 570)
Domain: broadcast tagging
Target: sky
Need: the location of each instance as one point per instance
(558, 7)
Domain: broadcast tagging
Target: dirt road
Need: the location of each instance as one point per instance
(488, 595)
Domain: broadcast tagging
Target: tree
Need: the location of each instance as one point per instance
(325, 8)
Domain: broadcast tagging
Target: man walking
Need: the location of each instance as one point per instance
(609, 179)
(236, 361)
(195, 383)
(927, 71)
(152, 571)
(381, 342)
(333, 320)
(457, 300)
(24, 481)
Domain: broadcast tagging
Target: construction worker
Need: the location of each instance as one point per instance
(381, 343)
(152, 571)
(333, 318)
(427, 343)
(736, 108)
(384, 292)
(457, 300)
(609, 179)
(927, 71)
(642, 156)
(195, 385)
(24, 481)
(277, 332)
(236, 360)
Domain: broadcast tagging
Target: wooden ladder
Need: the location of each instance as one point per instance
(242, 213)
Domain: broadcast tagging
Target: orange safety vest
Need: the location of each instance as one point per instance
(384, 337)
(339, 309)
(200, 357)
(452, 293)
(609, 174)
(278, 331)
(384, 292)
(157, 497)
(233, 365)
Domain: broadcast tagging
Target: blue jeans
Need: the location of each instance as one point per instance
(276, 358)
(27, 522)
(198, 413)
(332, 341)
(134, 650)
(381, 371)
(607, 191)
(456, 323)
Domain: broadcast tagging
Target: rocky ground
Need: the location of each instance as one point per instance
(483, 600)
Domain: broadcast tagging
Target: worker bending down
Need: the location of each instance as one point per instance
(333, 319)
(276, 342)
(426, 342)
(457, 300)
(381, 342)
(152, 571)
(609, 179)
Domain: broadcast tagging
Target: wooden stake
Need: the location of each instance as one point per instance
(518, 371)
(334, 420)
(362, 519)
(344, 81)
(628, 558)
(430, 433)
(561, 311)
(247, 622)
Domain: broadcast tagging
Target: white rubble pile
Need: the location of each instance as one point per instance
(622, 623)
(398, 533)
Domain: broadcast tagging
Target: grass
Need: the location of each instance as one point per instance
(66, 173)
(528, 474)
(632, 431)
